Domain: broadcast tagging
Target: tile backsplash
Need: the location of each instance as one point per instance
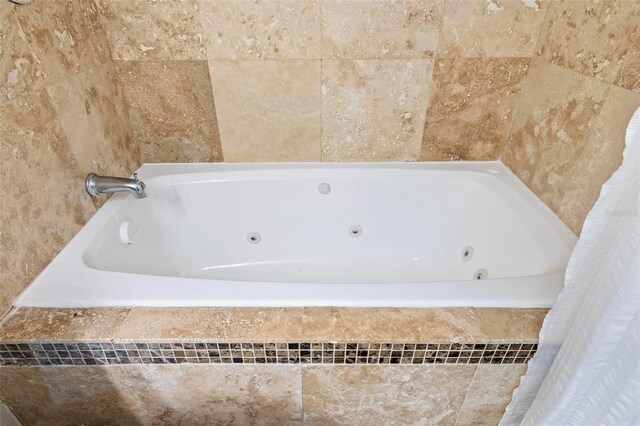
(547, 86)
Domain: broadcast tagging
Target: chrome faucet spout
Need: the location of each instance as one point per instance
(97, 185)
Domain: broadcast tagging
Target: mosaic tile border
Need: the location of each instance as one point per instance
(108, 353)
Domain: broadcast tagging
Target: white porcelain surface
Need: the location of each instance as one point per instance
(194, 245)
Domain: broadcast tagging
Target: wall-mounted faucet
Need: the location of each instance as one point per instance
(97, 185)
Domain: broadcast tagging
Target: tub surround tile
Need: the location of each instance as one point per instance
(153, 30)
(393, 395)
(94, 117)
(600, 157)
(261, 29)
(380, 29)
(163, 394)
(422, 324)
(381, 325)
(59, 396)
(374, 110)
(206, 351)
(34, 145)
(491, 28)
(489, 394)
(471, 106)
(19, 70)
(6, 416)
(64, 37)
(227, 324)
(629, 74)
(597, 39)
(60, 325)
(567, 138)
(172, 110)
(268, 110)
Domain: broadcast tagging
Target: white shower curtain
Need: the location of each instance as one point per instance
(587, 368)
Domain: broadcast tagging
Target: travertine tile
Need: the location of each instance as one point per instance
(356, 29)
(6, 417)
(19, 71)
(390, 395)
(567, 138)
(491, 28)
(95, 119)
(374, 110)
(155, 394)
(62, 325)
(238, 324)
(598, 39)
(489, 394)
(42, 191)
(471, 106)
(268, 110)
(153, 30)
(172, 110)
(629, 74)
(64, 37)
(261, 29)
(422, 324)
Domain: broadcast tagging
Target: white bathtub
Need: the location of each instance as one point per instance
(265, 235)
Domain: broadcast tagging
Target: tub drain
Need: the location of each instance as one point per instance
(481, 274)
(253, 238)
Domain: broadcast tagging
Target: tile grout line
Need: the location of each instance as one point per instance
(320, 88)
(221, 352)
(466, 395)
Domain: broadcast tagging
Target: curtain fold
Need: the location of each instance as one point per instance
(587, 367)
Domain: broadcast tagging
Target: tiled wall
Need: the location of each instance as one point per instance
(260, 394)
(547, 86)
(233, 383)
(330, 80)
(62, 115)
(582, 87)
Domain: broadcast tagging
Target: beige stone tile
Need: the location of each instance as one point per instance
(153, 30)
(489, 394)
(422, 324)
(598, 39)
(6, 416)
(601, 156)
(471, 106)
(378, 29)
(374, 110)
(155, 394)
(172, 111)
(37, 217)
(62, 325)
(261, 29)
(268, 110)
(567, 138)
(64, 37)
(390, 395)
(233, 324)
(94, 117)
(19, 72)
(629, 74)
(491, 28)
(64, 396)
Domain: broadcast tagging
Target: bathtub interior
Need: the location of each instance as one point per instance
(395, 223)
